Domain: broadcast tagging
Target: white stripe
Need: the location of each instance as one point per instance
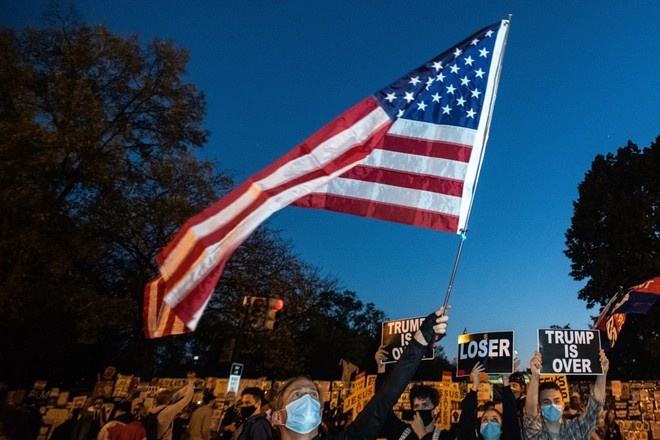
(320, 156)
(479, 149)
(394, 195)
(414, 163)
(434, 132)
(217, 251)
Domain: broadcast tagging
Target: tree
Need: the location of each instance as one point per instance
(614, 240)
(98, 135)
(97, 171)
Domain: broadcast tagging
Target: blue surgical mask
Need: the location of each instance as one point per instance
(551, 412)
(490, 430)
(303, 415)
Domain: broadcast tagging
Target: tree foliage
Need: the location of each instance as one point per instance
(98, 136)
(97, 170)
(614, 240)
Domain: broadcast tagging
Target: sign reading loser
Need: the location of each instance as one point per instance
(493, 349)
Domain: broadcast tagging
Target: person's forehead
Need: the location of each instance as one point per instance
(550, 394)
(417, 401)
(490, 415)
(304, 386)
(249, 398)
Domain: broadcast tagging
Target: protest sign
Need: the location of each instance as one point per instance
(493, 349)
(395, 335)
(566, 351)
(449, 392)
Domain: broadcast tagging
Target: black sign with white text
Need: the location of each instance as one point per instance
(567, 351)
(493, 349)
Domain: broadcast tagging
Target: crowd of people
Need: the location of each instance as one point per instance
(529, 411)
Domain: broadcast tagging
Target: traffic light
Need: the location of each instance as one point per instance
(275, 306)
(256, 315)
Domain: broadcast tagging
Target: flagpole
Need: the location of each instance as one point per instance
(454, 269)
(463, 231)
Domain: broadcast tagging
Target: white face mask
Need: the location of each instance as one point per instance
(303, 415)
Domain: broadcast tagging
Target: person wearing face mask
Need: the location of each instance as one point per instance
(544, 407)
(296, 408)
(493, 424)
(255, 424)
(424, 400)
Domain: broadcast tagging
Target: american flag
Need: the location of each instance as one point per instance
(410, 153)
(425, 171)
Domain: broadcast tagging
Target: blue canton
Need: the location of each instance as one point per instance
(447, 90)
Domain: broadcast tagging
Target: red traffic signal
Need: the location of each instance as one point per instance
(275, 306)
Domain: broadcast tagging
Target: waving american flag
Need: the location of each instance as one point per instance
(410, 153)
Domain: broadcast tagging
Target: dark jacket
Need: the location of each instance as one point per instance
(469, 424)
(394, 426)
(372, 418)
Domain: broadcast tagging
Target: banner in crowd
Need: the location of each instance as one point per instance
(493, 349)
(566, 351)
(395, 335)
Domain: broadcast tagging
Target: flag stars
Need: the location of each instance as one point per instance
(483, 52)
(440, 77)
(465, 81)
(446, 109)
(475, 93)
(457, 52)
(421, 106)
(475, 42)
(469, 60)
(399, 114)
(409, 97)
(461, 101)
(390, 97)
(451, 89)
(436, 97)
(429, 82)
(414, 80)
(471, 113)
(454, 68)
(489, 33)
(479, 73)
(437, 65)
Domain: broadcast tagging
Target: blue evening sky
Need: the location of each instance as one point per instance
(580, 78)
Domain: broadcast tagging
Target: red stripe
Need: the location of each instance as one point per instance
(406, 179)
(203, 242)
(427, 147)
(382, 211)
(197, 296)
(336, 126)
(350, 156)
(193, 300)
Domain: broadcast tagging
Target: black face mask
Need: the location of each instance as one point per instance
(247, 411)
(426, 415)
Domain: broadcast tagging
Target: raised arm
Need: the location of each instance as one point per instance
(532, 399)
(599, 386)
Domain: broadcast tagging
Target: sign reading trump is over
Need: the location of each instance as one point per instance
(566, 351)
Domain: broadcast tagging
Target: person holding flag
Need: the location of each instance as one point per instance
(296, 408)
